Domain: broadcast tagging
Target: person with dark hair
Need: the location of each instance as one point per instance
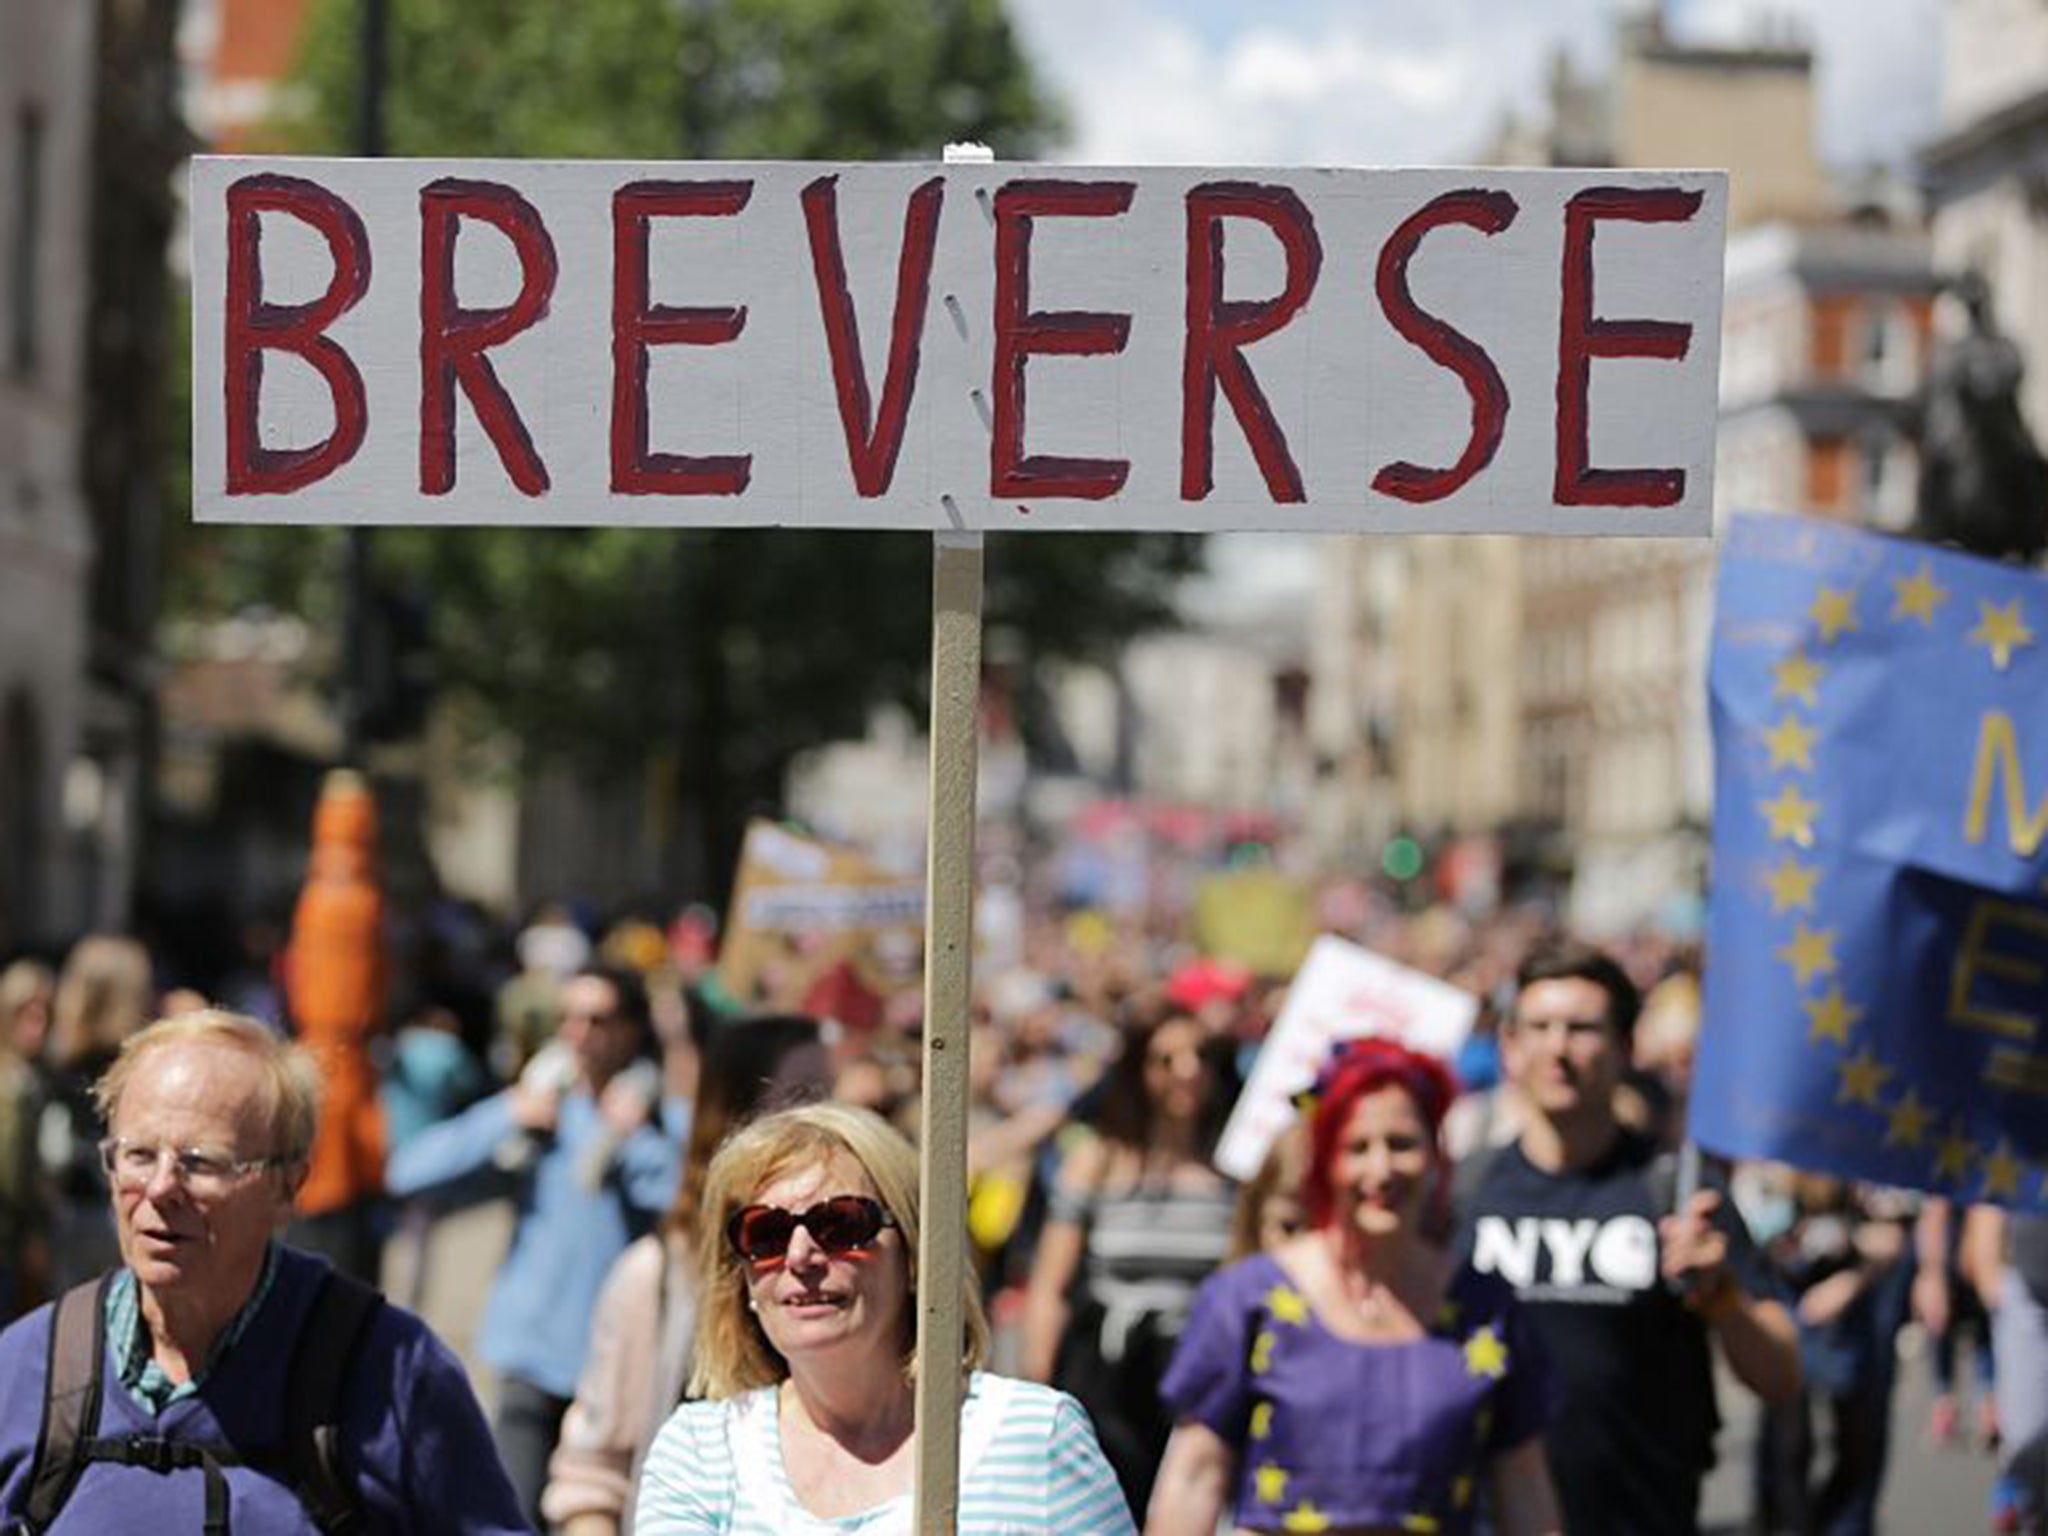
(640, 1344)
(587, 1148)
(1626, 1285)
(1356, 1377)
(1138, 1219)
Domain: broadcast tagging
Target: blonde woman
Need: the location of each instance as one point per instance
(105, 994)
(806, 1354)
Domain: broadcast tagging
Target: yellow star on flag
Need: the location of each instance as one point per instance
(1791, 885)
(1797, 677)
(2001, 630)
(1791, 816)
(1863, 1077)
(1791, 743)
(1830, 1014)
(1953, 1157)
(1286, 1305)
(1262, 1420)
(1486, 1355)
(1917, 596)
(1272, 1483)
(1811, 952)
(1305, 1517)
(1909, 1122)
(1835, 612)
(2002, 1172)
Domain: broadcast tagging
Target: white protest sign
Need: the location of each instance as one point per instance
(965, 347)
(1341, 991)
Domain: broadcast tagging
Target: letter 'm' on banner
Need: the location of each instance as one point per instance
(638, 325)
(1218, 330)
(453, 339)
(1489, 213)
(252, 326)
(1581, 338)
(1019, 332)
(873, 440)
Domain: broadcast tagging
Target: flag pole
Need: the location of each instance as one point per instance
(948, 983)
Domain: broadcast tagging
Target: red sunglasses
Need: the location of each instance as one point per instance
(759, 1233)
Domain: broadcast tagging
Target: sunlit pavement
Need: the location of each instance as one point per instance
(1927, 1491)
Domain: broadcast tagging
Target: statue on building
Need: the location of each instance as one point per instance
(1983, 480)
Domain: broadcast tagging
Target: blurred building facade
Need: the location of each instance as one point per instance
(88, 143)
(1986, 173)
(1548, 691)
(46, 69)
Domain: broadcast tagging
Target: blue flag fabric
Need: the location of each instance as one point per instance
(1877, 979)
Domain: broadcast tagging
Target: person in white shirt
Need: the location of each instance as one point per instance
(806, 1359)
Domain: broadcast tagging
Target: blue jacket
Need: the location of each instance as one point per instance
(411, 1431)
(565, 1236)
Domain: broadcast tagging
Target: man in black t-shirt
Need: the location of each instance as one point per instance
(1625, 1290)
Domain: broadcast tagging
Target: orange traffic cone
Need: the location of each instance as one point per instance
(336, 983)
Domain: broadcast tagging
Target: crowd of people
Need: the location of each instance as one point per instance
(1486, 1294)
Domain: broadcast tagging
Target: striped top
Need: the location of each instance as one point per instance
(1148, 1251)
(1029, 1463)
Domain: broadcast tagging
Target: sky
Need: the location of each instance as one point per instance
(1393, 82)
(1417, 82)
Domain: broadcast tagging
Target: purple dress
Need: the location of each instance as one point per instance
(1332, 1433)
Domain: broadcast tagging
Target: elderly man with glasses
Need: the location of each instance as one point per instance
(218, 1380)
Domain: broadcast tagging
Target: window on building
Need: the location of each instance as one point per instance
(23, 299)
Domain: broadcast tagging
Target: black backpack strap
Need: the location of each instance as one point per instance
(335, 1323)
(72, 1389)
(154, 1454)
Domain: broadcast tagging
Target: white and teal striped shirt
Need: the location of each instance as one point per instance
(1029, 1463)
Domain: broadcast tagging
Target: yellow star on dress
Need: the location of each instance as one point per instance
(1830, 1014)
(1305, 1517)
(2002, 1172)
(1797, 677)
(1262, 1420)
(1262, 1353)
(1421, 1525)
(1909, 1122)
(1791, 885)
(2001, 630)
(1917, 596)
(1272, 1483)
(1835, 612)
(1791, 816)
(1486, 1355)
(1287, 1305)
(1811, 952)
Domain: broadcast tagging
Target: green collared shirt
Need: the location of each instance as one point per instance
(146, 1381)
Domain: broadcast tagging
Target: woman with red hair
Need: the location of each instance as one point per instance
(1356, 1378)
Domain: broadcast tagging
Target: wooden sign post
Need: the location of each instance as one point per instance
(957, 348)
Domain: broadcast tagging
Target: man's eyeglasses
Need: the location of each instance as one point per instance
(759, 1233)
(133, 1165)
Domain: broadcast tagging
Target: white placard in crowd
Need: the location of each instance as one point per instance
(970, 347)
(1341, 991)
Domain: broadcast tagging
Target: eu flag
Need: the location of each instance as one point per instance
(1877, 983)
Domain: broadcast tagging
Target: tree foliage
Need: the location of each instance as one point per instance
(731, 650)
